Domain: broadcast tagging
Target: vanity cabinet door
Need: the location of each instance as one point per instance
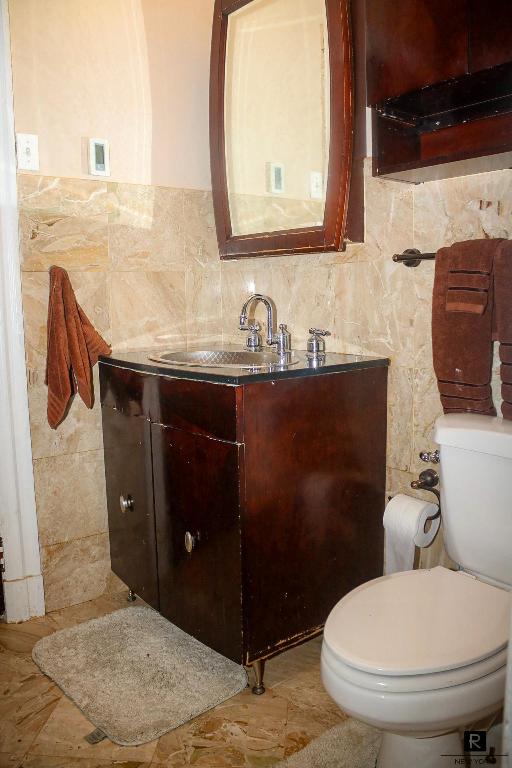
(131, 519)
(198, 533)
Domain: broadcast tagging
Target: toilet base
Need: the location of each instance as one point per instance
(407, 751)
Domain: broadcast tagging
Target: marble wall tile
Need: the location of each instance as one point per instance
(375, 312)
(423, 283)
(305, 297)
(348, 324)
(79, 431)
(65, 196)
(72, 242)
(463, 208)
(114, 585)
(389, 217)
(70, 492)
(75, 571)
(400, 417)
(148, 309)
(146, 230)
(203, 305)
(427, 407)
(399, 481)
(200, 236)
(496, 380)
(64, 222)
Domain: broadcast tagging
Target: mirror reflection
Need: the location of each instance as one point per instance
(277, 122)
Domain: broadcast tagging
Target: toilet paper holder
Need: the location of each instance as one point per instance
(427, 481)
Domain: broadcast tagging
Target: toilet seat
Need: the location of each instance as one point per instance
(385, 684)
(442, 626)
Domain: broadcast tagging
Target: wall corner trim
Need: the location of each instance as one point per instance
(24, 595)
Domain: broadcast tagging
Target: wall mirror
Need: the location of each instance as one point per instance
(281, 113)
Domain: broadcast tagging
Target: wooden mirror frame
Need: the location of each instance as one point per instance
(311, 239)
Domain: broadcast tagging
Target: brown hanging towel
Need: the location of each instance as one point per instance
(462, 325)
(502, 330)
(73, 348)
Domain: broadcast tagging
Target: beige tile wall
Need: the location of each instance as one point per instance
(145, 267)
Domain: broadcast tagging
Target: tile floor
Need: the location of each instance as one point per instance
(41, 728)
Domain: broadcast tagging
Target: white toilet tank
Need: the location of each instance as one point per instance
(476, 493)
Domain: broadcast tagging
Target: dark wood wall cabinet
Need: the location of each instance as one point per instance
(243, 512)
(440, 86)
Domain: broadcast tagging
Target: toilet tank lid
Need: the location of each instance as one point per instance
(475, 432)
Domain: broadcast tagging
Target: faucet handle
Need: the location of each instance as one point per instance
(253, 341)
(283, 340)
(316, 344)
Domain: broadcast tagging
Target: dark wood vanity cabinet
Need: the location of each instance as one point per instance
(439, 80)
(254, 507)
(131, 522)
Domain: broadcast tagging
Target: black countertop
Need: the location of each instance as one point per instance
(333, 363)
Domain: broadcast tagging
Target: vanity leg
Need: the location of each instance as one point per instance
(259, 670)
(131, 596)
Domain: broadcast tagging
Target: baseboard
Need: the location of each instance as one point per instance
(24, 598)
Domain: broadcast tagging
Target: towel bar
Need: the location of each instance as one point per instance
(411, 257)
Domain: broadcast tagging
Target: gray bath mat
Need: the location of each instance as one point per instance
(349, 745)
(135, 675)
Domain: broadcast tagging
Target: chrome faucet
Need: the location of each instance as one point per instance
(281, 340)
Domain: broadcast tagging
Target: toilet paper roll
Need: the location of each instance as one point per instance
(404, 523)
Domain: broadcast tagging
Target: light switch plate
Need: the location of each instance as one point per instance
(27, 151)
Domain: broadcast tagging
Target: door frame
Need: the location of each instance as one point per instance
(22, 578)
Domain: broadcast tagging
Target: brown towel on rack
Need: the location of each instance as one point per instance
(462, 322)
(502, 330)
(73, 348)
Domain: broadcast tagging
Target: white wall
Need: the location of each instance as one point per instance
(135, 72)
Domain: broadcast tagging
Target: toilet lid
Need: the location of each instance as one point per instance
(417, 622)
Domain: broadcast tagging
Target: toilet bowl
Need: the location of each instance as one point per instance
(419, 655)
(422, 654)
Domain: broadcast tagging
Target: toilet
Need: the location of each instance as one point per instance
(422, 654)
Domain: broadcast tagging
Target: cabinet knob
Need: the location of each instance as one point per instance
(190, 541)
(125, 503)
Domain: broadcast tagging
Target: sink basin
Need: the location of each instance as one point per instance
(220, 358)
